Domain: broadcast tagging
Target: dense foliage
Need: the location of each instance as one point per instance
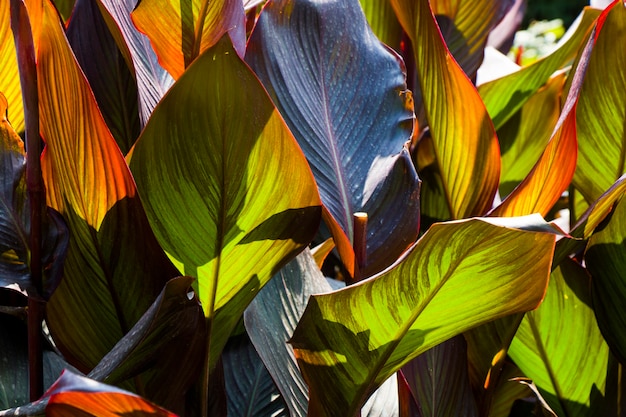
(204, 161)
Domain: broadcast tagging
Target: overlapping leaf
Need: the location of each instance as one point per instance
(152, 80)
(113, 262)
(111, 80)
(75, 395)
(10, 80)
(164, 350)
(343, 95)
(606, 260)
(524, 137)
(250, 201)
(465, 26)
(548, 347)
(383, 21)
(181, 30)
(602, 109)
(459, 275)
(463, 137)
(438, 378)
(505, 96)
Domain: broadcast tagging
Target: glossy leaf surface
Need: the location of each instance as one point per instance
(270, 327)
(459, 275)
(602, 109)
(606, 260)
(117, 274)
(343, 95)
(73, 395)
(10, 80)
(548, 350)
(463, 137)
(505, 96)
(181, 30)
(232, 174)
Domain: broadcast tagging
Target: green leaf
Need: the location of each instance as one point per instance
(553, 344)
(344, 96)
(165, 348)
(110, 78)
(383, 21)
(181, 30)
(73, 395)
(505, 96)
(463, 137)
(602, 109)
(457, 276)
(113, 261)
(606, 261)
(465, 26)
(232, 175)
(10, 80)
(524, 137)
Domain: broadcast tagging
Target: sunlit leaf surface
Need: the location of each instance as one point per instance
(248, 192)
(463, 137)
(343, 95)
(10, 79)
(181, 30)
(459, 275)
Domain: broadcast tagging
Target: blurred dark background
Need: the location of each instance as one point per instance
(567, 10)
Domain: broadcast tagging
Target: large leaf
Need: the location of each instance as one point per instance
(343, 95)
(164, 350)
(458, 275)
(554, 170)
(465, 26)
(602, 109)
(505, 96)
(439, 381)
(75, 395)
(383, 21)
(109, 76)
(10, 80)
(114, 261)
(250, 388)
(181, 30)
(606, 260)
(524, 137)
(463, 137)
(553, 346)
(152, 80)
(270, 327)
(238, 225)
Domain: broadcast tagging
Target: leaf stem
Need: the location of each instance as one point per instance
(359, 244)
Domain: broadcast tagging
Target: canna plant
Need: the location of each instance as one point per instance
(204, 161)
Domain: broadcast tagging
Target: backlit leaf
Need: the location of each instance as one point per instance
(181, 30)
(73, 395)
(463, 137)
(548, 348)
(606, 261)
(505, 96)
(344, 96)
(10, 79)
(458, 275)
(602, 109)
(113, 261)
(232, 174)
